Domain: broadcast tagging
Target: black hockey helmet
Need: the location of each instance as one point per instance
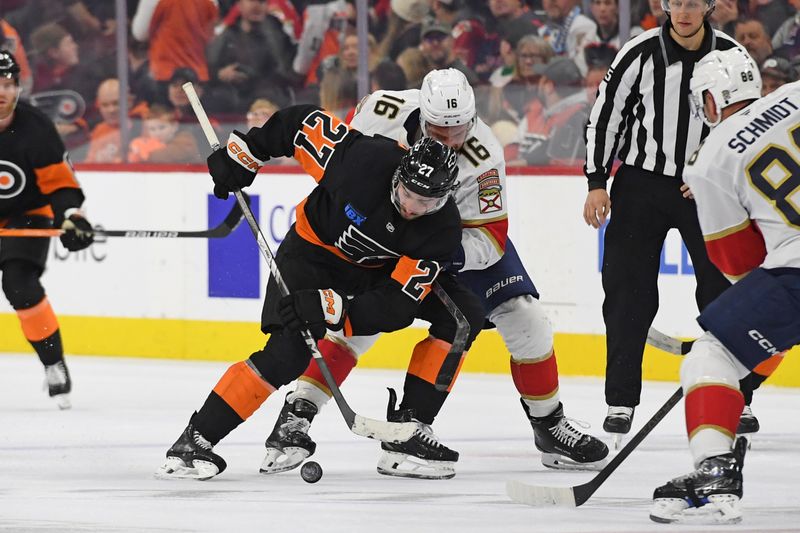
(9, 68)
(429, 169)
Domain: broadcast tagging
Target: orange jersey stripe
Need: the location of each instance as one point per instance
(314, 139)
(45, 211)
(408, 269)
(714, 406)
(38, 322)
(766, 368)
(737, 252)
(56, 176)
(242, 389)
(304, 229)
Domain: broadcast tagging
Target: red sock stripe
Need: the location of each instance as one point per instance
(713, 406)
(340, 361)
(38, 322)
(537, 380)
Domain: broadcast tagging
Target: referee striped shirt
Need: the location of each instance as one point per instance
(642, 114)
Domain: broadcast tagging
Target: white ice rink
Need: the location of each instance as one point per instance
(90, 468)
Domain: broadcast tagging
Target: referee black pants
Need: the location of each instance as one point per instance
(645, 206)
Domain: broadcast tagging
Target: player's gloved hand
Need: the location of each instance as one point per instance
(78, 232)
(234, 167)
(315, 309)
(457, 261)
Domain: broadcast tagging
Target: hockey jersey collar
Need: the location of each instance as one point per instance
(673, 52)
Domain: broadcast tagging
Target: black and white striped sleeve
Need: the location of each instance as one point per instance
(610, 114)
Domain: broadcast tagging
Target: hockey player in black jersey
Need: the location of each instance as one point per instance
(368, 244)
(38, 189)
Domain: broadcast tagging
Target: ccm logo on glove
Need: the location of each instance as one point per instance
(314, 309)
(242, 155)
(332, 303)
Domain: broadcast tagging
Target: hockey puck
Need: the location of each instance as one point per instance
(311, 472)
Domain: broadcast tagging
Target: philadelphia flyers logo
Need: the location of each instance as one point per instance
(12, 180)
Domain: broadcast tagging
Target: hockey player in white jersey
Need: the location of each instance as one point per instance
(487, 262)
(746, 180)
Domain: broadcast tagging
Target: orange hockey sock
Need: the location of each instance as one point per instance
(243, 389)
(427, 360)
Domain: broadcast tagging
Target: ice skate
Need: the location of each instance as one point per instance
(58, 384)
(709, 495)
(748, 423)
(191, 457)
(289, 444)
(618, 423)
(422, 456)
(563, 446)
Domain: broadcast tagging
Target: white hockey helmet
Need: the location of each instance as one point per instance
(730, 76)
(446, 99)
(710, 5)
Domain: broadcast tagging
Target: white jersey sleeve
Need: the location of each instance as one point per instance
(481, 198)
(745, 179)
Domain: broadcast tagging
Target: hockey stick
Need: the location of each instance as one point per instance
(230, 223)
(669, 344)
(453, 357)
(539, 496)
(396, 432)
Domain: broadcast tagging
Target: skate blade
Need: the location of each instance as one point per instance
(175, 468)
(721, 509)
(277, 461)
(62, 401)
(402, 465)
(617, 441)
(560, 462)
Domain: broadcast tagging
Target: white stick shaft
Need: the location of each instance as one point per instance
(202, 118)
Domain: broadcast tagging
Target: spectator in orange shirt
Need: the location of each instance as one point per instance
(178, 32)
(11, 42)
(164, 140)
(104, 142)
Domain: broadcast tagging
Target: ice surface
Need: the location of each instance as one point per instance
(90, 468)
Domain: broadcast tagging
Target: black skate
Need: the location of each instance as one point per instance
(289, 444)
(58, 384)
(618, 422)
(709, 495)
(748, 423)
(191, 457)
(422, 456)
(563, 446)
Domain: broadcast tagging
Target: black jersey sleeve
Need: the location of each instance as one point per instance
(305, 132)
(55, 176)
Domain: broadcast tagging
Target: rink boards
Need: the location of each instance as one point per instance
(201, 298)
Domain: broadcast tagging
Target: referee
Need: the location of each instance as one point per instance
(642, 117)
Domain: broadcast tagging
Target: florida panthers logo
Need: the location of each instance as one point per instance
(12, 180)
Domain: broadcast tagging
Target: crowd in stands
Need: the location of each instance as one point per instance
(535, 64)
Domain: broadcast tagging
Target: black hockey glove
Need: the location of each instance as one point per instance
(77, 231)
(457, 261)
(315, 309)
(234, 167)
